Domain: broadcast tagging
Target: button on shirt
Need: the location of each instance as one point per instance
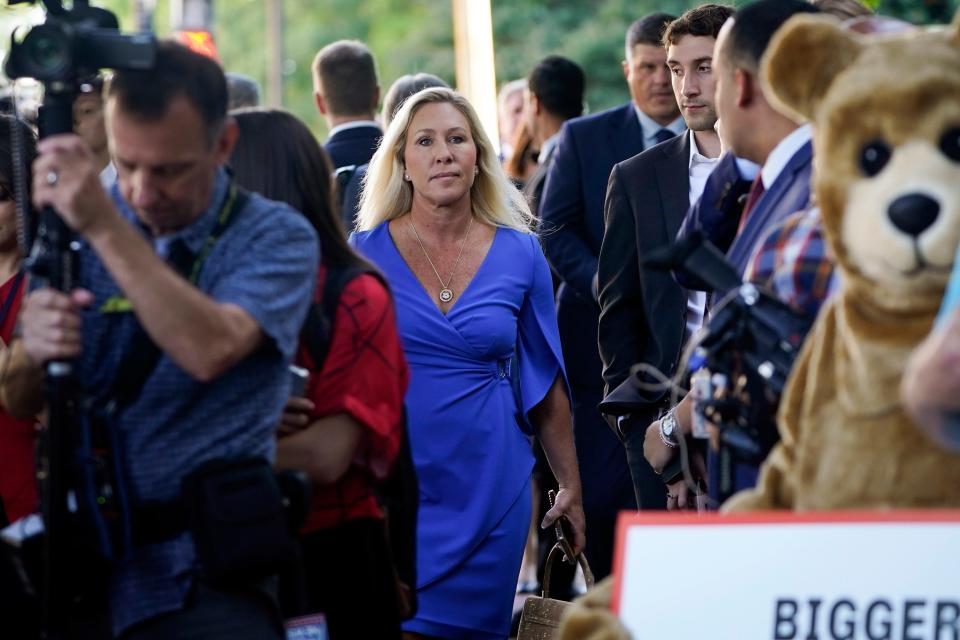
(264, 262)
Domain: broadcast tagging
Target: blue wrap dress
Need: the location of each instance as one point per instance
(473, 460)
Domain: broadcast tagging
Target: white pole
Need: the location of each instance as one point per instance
(476, 71)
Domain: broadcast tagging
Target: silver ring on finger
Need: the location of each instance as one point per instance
(52, 177)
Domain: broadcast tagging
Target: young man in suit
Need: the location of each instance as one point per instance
(645, 315)
(754, 131)
(572, 211)
(347, 91)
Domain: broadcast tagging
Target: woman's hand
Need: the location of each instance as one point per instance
(295, 417)
(570, 504)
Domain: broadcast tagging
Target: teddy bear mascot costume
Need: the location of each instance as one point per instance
(886, 110)
(887, 115)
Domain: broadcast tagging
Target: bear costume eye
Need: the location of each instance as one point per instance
(950, 143)
(874, 156)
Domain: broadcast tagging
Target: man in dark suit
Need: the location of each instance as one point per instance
(347, 92)
(554, 94)
(645, 315)
(756, 132)
(572, 212)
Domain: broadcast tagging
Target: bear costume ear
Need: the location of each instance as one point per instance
(802, 61)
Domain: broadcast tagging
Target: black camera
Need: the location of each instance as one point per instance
(748, 346)
(75, 43)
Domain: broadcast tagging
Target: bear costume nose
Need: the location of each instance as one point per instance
(913, 213)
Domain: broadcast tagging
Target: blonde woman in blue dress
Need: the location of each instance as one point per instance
(471, 285)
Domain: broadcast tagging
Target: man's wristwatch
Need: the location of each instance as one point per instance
(668, 429)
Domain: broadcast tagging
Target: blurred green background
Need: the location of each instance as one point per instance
(408, 36)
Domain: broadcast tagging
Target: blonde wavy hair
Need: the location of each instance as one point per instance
(386, 195)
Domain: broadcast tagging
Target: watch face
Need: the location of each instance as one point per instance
(668, 425)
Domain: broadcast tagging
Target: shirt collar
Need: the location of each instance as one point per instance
(650, 127)
(353, 124)
(783, 152)
(546, 149)
(696, 157)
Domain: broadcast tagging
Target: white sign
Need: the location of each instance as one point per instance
(818, 576)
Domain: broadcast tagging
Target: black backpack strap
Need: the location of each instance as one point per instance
(317, 332)
(342, 177)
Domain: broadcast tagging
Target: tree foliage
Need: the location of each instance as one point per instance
(408, 36)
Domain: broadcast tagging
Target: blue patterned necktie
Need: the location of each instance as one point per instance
(663, 135)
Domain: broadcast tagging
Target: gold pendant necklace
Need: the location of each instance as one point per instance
(446, 293)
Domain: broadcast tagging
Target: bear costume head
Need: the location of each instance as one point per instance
(887, 114)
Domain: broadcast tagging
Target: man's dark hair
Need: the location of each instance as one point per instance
(704, 20)
(754, 26)
(558, 84)
(648, 30)
(242, 91)
(177, 71)
(345, 73)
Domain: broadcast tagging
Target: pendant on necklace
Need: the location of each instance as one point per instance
(446, 295)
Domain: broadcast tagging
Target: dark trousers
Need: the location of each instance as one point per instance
(649, 488)
(218, 613)
(605, 476)
(348, 574)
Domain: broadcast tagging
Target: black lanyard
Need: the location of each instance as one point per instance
(223, 219)
(184, 262)
(11, 296)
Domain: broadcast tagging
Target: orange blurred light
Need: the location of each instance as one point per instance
(199, 41)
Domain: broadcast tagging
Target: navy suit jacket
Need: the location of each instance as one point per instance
(353, 146)
(717, 212)
(789, 193)
(571, 208)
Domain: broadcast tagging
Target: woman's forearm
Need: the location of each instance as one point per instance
(554, 426)
(324, 450)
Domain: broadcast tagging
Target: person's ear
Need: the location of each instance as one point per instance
(744, 82)
(626, 69)
(803, 59)
(227, 140)
(321, 103)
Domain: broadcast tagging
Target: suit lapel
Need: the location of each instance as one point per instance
(626, 137)
(770, 203)
(673, 181)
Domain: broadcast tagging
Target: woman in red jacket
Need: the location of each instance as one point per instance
(346, 431)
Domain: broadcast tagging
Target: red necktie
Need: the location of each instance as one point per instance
(753, 196)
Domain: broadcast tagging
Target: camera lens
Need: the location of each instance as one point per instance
(47, 51)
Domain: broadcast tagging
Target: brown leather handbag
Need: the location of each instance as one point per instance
(540, 619)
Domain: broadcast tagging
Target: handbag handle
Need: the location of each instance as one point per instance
(552, 557)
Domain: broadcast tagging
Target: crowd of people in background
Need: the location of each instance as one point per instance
(468, 316)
